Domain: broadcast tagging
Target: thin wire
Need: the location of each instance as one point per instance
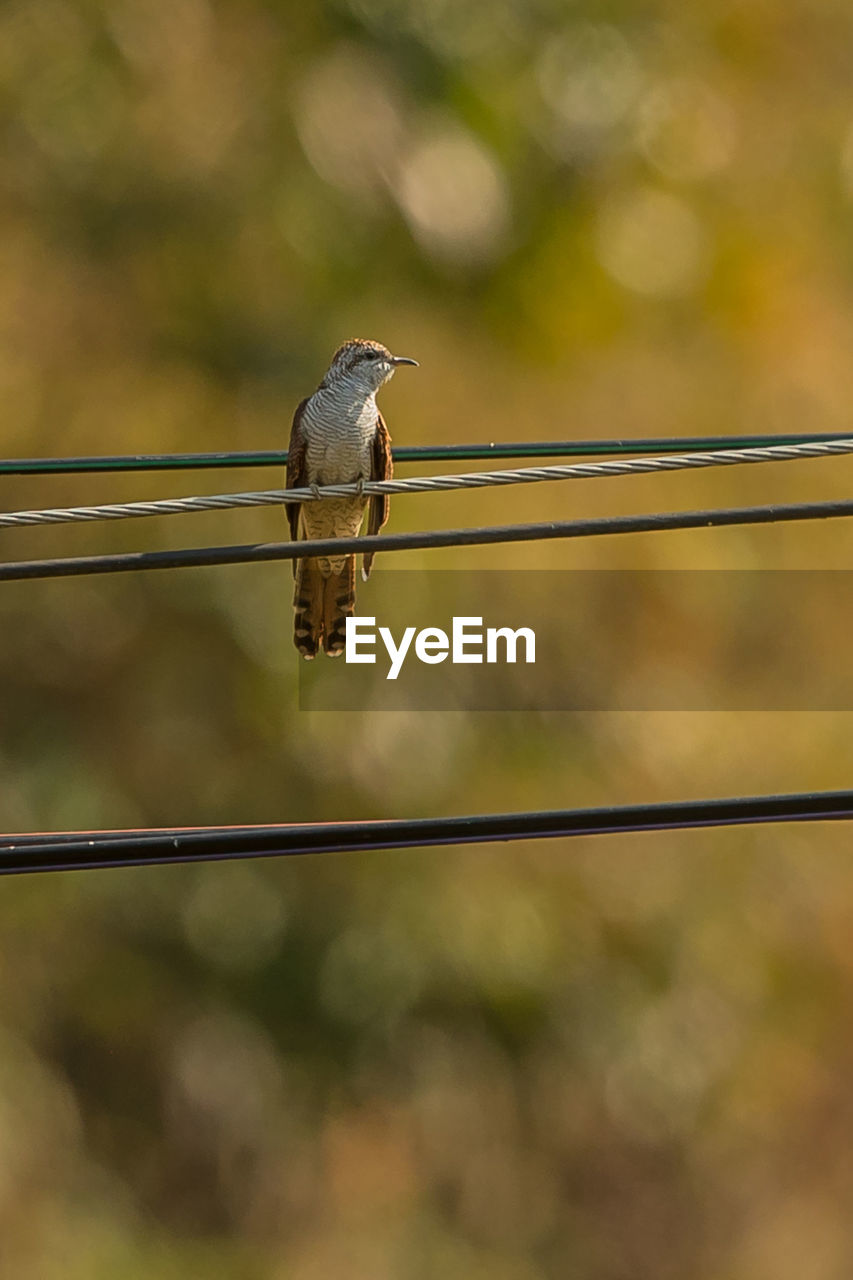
(409, 453)
(198, 557)
(426, 484)
(67, 851)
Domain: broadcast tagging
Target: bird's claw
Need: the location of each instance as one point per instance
(359, 487)
(315, 491)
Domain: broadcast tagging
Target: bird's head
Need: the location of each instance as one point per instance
(364, 365)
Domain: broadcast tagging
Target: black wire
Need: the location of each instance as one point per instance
(411, 453)
(69, 851)
(197, 557)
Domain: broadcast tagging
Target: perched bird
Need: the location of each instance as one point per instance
(338, 437)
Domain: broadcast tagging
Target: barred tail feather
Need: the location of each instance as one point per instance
(338, 605)
(321, 607)
(308, 607)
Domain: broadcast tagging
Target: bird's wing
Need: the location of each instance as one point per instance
(381, 468)
(296, 477)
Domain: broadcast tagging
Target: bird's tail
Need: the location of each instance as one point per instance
(322, 603)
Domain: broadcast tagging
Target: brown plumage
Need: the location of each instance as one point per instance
(338, 437)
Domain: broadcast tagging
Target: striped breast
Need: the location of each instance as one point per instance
(339, 428)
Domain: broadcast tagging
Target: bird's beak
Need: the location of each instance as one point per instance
(395, 360)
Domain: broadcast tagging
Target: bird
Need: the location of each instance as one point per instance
(338, 437)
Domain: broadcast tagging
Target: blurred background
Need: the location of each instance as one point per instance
(611, 1059)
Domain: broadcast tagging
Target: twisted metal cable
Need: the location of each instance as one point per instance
(429, 484)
